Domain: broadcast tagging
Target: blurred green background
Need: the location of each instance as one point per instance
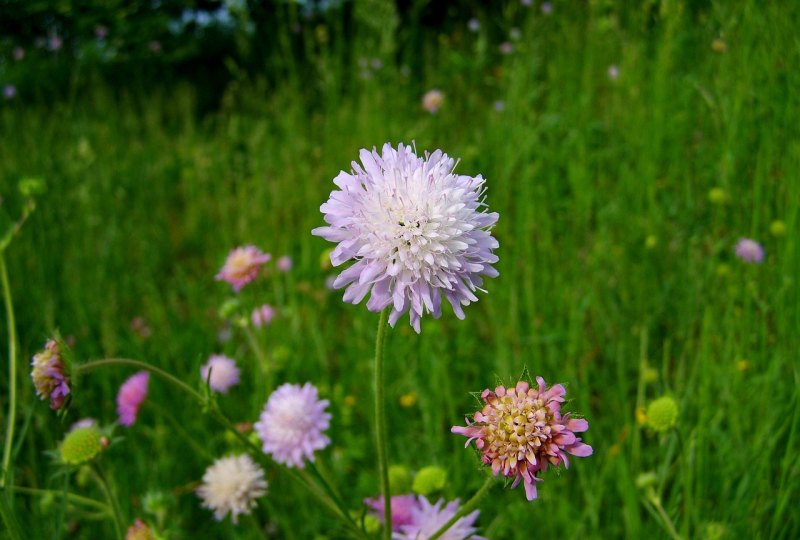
(627, 146)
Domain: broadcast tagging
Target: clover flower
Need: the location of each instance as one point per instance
(749, 251)
(242, 266)
(432, 100)
(520, 432)
(292, 423)
(427, 518)
(232, 484)
(220, 372)
(50, 376)
(416, 230)
(402, 509)
(130, 397)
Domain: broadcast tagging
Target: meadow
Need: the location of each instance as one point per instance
(626, 149)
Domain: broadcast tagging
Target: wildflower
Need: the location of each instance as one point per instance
(547, 8)
(427, 518)
(139, 531)
(506, 47)
(749, 251)
(284, 264)
(416, 230)
(526, 3)
(402, 506)
(292, 423)
(429, 480)
(54, 43)
(140, 328)
(408, 400)
(651, 241)
(18, 53)
(432, 100)
(719, 46)
(9, 91)
(262, 315)
(515, 34)
(81, 445)
(232, 484)
(242, 266)
(220, 372)
(662, 414)
(521, 431)
(130, 397)
(100, 32)
(474, 25)
(50, 376)
(777, 228)
(499, 105)
(613, 72)
(83, 423)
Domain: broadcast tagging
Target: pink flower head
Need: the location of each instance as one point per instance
(9, 91)
(613, 72)
(432, 100)
(506, 47)
(402, 509)
(242, 266)
(18, 53)
(262, 315)
(284, 264)
(139, 531)
(223, 373)
(50, 376)
(292, 423)
(547, 8)
(749, 251)
(427, 518)
(521, 431)
(130, 397)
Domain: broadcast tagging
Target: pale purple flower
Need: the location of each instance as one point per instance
(284, 264)
(402, 509)
(416, 230)
(54, 43)
(242, 266)
(515, 34)
(50, 375)
(292, 423)
(499, 106)
(83, 423)
(547, 8)
(474, 25)
(376, 64)
(130, 397)
(18, 53)
(749, 251)
(223, 373)
(613, 72)
(232, 485)
(521, 431)
(506, 47)
(427, 518)
(526, 3)
(100, 32)
(9, 91)
(432, 100)
(262, 315)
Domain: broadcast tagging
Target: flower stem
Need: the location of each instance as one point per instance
(380, 426)
(655, 500)
(88, 366)
(468, 507)
(12, 372)
(70, 497)
(116, 514)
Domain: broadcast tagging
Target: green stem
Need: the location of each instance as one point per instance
(116, 514)
(261, 357)
(655, 500)
(12, 372)
(88, 366)
(468, 507)
(70, 496)
(380, 426)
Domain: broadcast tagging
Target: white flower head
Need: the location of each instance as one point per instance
(232, 484)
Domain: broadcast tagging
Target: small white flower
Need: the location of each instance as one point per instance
(232, 484)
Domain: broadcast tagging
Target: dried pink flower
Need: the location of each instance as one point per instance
(130, 397)
(242, 266)
(50, 376)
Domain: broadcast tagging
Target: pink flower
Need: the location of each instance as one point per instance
(223, 373)
(130, 397)
(242, 266)
(432, 100)
(749, 251)
(50, 376)
(18, 53)
(427, 518)
(284, 264)
(262, 315)
(402, 507)
(521, 431)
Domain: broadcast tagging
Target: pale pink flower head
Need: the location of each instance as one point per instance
(9, 91)
(262, 315)
(506, 47)
(284, 264)
(613, 72)
(432, 100)
(292, 423)
(749, 251)
(139, 531)
(130, 397)
(83, 423)
(402, 509)
(18, 53)
(220, 372)
(232, 485)
(520, 432)
(242, 266)
(427, 518)
(547, 8)
(50, 375)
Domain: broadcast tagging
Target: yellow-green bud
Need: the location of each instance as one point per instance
(81, 445)
(646, 480)
(399, 479)
(662, 414)
(714, 531)
(777, 228)
(371, 524)
(651, 241)
(229, 308)
(717, 195)
(30, 187)
(429, 480)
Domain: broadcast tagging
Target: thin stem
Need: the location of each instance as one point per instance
(12, 372)
(116, 514)
(70, 496)
(468, 507)
(88, 366)
(656, 502)
(380, 426)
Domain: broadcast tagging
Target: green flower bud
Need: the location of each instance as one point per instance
(646, 480)
(662, 414)
(82, 445)
(777, 228)
(30, 187)
(429, 480)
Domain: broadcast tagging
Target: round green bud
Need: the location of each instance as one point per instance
(717, 195)
(646, 480)
(429, 480)
(777, 228)
(81, 445)
(662, 414)
(229, 308)
(651, 241)
(399, 479)
(30, 187)
(714, 531)
(371, 524)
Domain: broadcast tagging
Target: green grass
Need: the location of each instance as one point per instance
(144, 200)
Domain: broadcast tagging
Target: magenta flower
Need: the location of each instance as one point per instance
(50, 376)
(427, 518)
(292, 423)
(749, 251)
(402, 509)
(521, 431)
(432, 100)
(262, 315)
(242, 266)
(284, 264)
(415, 230)
(130, 397)
(220, 372)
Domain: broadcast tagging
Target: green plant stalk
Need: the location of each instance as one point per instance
(12, 372)
(103, 507)
(667, 522)
(380, 426)
(468, 507)
(116, 514)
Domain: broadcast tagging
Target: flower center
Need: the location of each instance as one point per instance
(516, 427)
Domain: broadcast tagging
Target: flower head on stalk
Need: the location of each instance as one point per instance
(749, 251)
(520, 432)
(131, 395)
(242, 266)
(220, 372)
(415, 229)
(232, 484)
(50, 376)
(402, 509)
(427, 518)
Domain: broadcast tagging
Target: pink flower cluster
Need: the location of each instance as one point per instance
(131, 395)
(49, 375)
